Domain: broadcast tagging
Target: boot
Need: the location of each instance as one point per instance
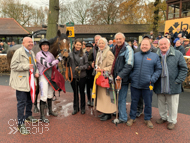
(105, 117)
(36, 110)
(50, 108)
(42, 115)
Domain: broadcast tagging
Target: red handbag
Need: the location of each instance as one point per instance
(102, 81)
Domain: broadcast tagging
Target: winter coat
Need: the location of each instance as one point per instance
(147, 68)
(5, 47)
(181, 49)
(124, 63)
(176, 34)
(184, 33)
(82, 61)
(177, 69)
(104, 104)
(19, 78)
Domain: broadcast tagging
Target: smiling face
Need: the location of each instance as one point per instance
(145, 45)
(78, 46)
(28, 43)
(164, 45)
(101, 45)
(119, 39)
(45, 47)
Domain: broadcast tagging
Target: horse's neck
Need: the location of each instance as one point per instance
(53, 50)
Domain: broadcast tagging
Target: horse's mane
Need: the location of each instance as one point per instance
(52, 40)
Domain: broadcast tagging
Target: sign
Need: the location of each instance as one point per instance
(70, 24)
(71, 31)
(172, 25)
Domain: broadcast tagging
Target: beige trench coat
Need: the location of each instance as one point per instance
(104, 104)
(19, 78)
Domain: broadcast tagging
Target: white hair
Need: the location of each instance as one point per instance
(97, 36)
(105, 41)
(163, 39)
(119, 33)
(178, 41)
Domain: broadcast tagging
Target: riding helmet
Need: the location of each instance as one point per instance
(43, 42)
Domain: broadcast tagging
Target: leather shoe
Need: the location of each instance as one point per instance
(101, 115)
(74, 112)
(83, 112)
(106, 117)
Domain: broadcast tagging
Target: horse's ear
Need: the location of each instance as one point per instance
(67, 33)
(59, 33)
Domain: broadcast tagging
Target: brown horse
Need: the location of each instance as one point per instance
(58, 44)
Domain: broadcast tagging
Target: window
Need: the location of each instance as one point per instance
(173, 11)
(185, 9)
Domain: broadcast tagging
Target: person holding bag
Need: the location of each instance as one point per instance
(78, 62)
(104, 63)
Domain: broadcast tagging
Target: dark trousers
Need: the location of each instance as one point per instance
(140, 105)
(23, 103)
(89, 85)
(147, 97)
(81, 85)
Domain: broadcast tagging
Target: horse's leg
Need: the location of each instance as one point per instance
(36, 110)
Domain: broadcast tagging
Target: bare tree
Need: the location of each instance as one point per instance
(104, 11)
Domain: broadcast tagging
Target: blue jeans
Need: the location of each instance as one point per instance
(147, 97)
(122, 103)
(23, 103)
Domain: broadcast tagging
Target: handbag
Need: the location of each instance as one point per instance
(102, 81)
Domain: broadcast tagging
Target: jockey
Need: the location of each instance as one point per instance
(45, 60)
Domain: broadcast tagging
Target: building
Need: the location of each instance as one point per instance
(87, 32)
(11, 30)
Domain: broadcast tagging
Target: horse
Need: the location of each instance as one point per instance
(58, 44)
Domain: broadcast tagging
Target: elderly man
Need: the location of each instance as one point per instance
(178, 38)
(121, 68)
(19, 80)
(179, 47)
(169, 85)
(146, 71)
(92, 57)
(176, 33)
(186, 43)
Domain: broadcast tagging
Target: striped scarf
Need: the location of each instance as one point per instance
(165, 85)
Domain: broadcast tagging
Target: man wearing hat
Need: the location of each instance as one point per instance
(186, 43)
(155, 43)
(89, 77)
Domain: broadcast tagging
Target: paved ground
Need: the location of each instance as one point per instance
(88, 127)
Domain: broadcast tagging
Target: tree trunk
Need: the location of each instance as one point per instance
(52, 19)
(156, 18)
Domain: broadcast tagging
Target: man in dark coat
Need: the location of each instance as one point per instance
(179, 47)
(146, 71)
(169, 85)
(184, 32)
(121, 68)
(140, 104)
(92, 57)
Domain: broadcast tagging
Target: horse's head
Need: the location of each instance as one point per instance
(60, 44)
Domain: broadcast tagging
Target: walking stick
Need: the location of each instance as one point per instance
(117, 88)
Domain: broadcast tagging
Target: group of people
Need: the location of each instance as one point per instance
(4, 47)
(144, 67)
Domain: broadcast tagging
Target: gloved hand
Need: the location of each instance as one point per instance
(60, 58)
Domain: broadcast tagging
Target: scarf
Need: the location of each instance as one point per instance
(101, 55)
(117, 50)
(165, 85)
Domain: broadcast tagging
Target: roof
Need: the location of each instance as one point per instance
(9, 26)
(105, 29)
